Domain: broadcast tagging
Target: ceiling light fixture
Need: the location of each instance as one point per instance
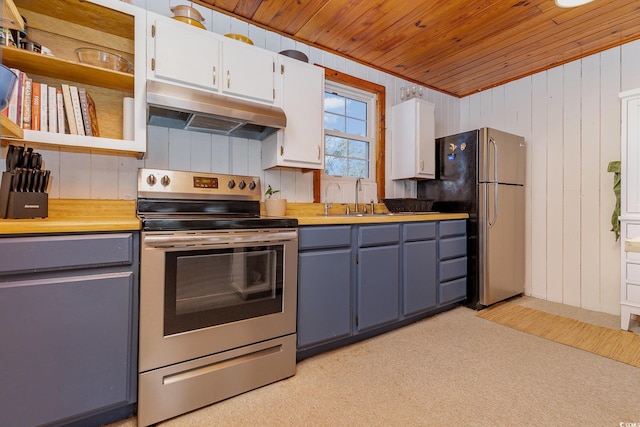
(571, 3)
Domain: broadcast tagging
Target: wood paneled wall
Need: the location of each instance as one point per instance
(570, 118)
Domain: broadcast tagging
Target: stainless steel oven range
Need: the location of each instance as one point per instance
(218, 290)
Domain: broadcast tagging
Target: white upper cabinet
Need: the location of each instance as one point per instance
(301, 143)
(413, 140)
(248, 71)
(184, 54)
(195, 62)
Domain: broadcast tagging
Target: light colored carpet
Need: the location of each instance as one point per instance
(615, 344)
(451, 369)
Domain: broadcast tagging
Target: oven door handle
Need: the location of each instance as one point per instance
(223, 239)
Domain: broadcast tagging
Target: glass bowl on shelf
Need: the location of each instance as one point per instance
(100, 58)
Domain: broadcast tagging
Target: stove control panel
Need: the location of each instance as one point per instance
(160, 183)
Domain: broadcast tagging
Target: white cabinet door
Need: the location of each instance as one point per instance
(301, 143)
(303, 101)
(413, 140)
(248, 71)
(184, 53)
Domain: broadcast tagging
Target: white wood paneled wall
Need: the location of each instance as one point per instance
(570, 118)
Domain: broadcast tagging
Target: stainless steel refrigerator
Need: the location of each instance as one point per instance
(482, 172)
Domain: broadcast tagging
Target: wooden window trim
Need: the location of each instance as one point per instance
(379, 91)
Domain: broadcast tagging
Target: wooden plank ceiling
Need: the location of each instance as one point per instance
(454, 46)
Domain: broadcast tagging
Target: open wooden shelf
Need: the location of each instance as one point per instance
(11, 16)
(45, 65)
(10, 129)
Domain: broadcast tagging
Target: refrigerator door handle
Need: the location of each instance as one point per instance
(495, 182)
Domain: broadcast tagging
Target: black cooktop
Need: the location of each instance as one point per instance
(186, 215)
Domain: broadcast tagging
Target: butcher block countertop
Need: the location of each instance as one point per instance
(313, 214)
(83, 215)
(78, 215)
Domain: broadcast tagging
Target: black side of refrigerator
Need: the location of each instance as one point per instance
(455, 189)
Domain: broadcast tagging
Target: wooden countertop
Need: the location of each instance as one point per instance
(75, 215)
(313, 214)
(80, 215)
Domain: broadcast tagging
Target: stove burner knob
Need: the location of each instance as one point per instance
(165, 180)
(252, 185)
(151, 180)
(231, 184)
(242, 184)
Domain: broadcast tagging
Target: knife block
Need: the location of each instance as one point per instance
(21, 204)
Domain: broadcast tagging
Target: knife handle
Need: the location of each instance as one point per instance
(15, 180)
(45, 180)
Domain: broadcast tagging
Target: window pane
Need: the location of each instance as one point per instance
(334, 103)
(359, 168)
(349, 154)
(335, 166)
(356, 109)
(335, 146)
(334, 122)
(359, 149)
(356, 127)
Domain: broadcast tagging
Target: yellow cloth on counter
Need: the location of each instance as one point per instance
(615, 222)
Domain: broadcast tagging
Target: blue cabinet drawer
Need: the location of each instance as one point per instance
(454, 290)
(453, 228)
(452, 248)
(372, 235)
(324, 237)
(45, 253)
(419, 231)
(453, 269)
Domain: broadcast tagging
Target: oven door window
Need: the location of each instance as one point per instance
(213, 287)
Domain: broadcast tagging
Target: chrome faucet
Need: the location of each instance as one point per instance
(358, 188)
(326, 197)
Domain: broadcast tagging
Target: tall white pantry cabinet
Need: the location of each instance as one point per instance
(630, 207)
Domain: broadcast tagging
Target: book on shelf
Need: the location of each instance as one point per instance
(26, 104)
(44, 102)
(93, 116)
(77, 112)
(52, 108)
(35, 106)
(60, 111)
(84, 107)
(22, 77)
(68, 108)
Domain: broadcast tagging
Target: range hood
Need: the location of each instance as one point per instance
(197, 110)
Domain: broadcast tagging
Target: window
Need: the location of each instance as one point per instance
(376, 125)
(350, 132)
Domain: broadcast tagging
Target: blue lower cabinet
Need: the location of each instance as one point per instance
(324, 296)
(69, 330)
(378, 286)
(356, 281)
(324, 284)
(452, 266)
(420, 281)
